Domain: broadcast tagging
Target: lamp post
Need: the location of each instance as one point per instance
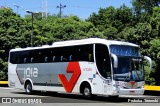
(32, 27)
(17, 7)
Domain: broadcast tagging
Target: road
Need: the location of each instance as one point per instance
(62, 99)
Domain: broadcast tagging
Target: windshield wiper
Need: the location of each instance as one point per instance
(135, 69)
(128, 76)
(137, 74)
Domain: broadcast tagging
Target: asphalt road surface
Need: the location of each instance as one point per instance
(61, 99)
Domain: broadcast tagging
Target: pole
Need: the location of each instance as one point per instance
(60, 9)
(46, 8)
(17, 6)
(32, 32)
(32, 27)
(17, 9)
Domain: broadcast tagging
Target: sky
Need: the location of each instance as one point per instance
(81, 8)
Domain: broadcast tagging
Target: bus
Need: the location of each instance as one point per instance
(92, 66)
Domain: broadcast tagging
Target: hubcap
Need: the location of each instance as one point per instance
(87, 91)
(28, 88)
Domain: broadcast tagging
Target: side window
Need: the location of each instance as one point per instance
(19, 57)
(103, 60)
(72, 53)
(34, 56)
(59, 54)
(56, 55)
(25, 57)
(86, 53)
(39, 56)
(45, 55)
(13, 58)
(64, 54)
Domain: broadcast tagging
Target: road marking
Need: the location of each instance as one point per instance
(138, 96)
(6, 88)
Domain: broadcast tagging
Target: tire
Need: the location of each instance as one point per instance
(87, 92)
(113, 96)
(51, 93)
(28, 88)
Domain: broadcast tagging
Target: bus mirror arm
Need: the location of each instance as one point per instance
(149, 60)
(115, 60)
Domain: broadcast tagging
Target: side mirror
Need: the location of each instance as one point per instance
(149, 60)
(115, 60)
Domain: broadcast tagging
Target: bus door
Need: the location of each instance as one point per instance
(104, 67)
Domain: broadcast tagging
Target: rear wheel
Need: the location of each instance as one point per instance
(28, 88)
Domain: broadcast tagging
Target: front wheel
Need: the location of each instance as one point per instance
(113, 96)
(87, 92)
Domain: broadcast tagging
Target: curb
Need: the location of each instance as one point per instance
(152, 88)
(3, 83)
(152, 93)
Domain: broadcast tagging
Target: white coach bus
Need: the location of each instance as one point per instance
(89, 66)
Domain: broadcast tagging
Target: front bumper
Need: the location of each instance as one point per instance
(129, 92)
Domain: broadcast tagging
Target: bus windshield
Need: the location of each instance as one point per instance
(129, 63)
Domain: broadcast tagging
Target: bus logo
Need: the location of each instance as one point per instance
(30, 72)
(132, 83)
(73, 67)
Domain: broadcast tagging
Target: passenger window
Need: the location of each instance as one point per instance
(86, 53)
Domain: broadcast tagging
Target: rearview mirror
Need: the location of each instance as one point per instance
(115, 60)
(149, 60)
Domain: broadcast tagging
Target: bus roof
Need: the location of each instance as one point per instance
(79, 42)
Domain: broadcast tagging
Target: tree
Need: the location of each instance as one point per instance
(103, 19)
(111, 33)
(155, 53)
(110, 17)
(12, 32)
(155, 22)
(124, 17)
(144, 8)
(56, 29)
(144, 5)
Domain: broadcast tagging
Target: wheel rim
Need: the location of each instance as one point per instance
(87, 91)
(28, 88)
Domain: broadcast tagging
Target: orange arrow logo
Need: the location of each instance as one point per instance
(73, 67)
